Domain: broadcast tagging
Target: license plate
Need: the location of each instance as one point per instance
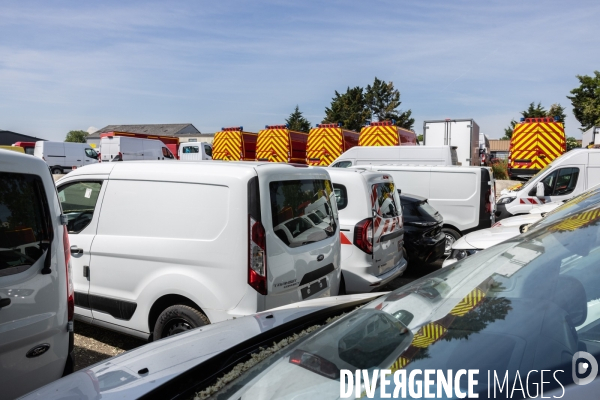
(313, 288)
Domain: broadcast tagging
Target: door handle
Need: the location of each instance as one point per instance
(86, 271)
(76, 250)
(4, 302)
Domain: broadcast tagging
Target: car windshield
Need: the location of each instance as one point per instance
(585, 199)
(526, 304)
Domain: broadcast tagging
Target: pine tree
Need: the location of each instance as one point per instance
(586, 101)
(383, 101)
(349, 109)
(297, 122)
(537, 111)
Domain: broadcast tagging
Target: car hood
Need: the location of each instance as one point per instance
(485, 238)
(519, 220)
(546, 207)
(125, 376)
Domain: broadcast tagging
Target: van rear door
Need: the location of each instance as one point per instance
(273, 145)
(303, 254)
(388, 234)
(324, 146)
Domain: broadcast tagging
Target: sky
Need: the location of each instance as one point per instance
(68, 65)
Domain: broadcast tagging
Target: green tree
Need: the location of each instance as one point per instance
(349, 109)
(537, 111)
(420, 138)
(586, 101)
(297, 122)
(383, 101)
(572, 143)
(76, 136)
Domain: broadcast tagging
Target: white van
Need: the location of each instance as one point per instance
(123, 148)
(371, 242)
(591, 137)
(195, 151)
(464, 196)
(36, 293)
(413, 155)
(570, 174)
(159, 248)
(63, 157)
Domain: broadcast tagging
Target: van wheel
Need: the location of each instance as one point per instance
(451, 237)
(177, 319)
(57, 170)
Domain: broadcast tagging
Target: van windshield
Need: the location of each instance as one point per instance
(302, 211)
(534, 177)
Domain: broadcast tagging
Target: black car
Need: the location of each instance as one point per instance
(424, 240)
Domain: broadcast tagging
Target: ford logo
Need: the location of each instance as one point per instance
(320, 257)
(38, 350)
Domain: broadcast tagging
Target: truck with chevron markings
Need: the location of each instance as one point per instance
(386, 133)
(279, 143)
(234, 144)
(326, 142)
(534, 144)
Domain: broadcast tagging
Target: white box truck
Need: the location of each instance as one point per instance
(591, 137)
(63, 157)
(122, 148)
(460, 133)
(414, 155)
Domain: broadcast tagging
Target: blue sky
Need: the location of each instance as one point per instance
(74, 65)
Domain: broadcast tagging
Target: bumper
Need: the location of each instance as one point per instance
(425, 249)
(502, 212)
(358, 280)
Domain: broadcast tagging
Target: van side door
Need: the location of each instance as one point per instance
(388, 234)
(79, 200)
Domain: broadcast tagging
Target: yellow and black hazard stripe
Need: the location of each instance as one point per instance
(428, 334)
(577, 221)
(324, 145)
(386, 135)
(534, 145)
(227, 146)
(468, 303)
(273, 145)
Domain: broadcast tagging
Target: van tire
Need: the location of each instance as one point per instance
(451, 237)
(56, 170)
(177, 319)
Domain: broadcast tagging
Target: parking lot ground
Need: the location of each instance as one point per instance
(94, 344)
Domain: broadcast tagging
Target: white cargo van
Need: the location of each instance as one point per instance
(591, 137)
(413, 155)
(568, 175)
(195, 151)
(371, 242)
(460, 133)
(123, 148)
(210, 253)
(61, 157)
(464, 196)
(36, 294)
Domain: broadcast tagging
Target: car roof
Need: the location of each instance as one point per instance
(412, 198)
(13, 161)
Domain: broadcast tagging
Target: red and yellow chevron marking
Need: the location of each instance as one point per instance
(577, 221)
(379, 136)
(539, 142)
(227, 146)
(324, 145)
(273, 145)
(428, 334)
(468, 303)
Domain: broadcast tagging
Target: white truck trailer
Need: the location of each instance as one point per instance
(591, 137)
(460, 133)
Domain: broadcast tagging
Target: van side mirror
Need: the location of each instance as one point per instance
(539, 191)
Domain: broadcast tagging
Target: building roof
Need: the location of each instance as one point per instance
(149, 129)
(7, 138)
(499, 145)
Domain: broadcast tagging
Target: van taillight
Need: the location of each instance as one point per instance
(363, 235)
(70, 290)
(257, 257)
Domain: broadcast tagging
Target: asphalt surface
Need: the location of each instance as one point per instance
(94, 344)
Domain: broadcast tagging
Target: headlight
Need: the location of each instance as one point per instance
(459, 254)
(505, 200)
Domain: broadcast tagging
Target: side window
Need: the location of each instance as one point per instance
(208, 150)
(342, 164)
(167, 153)
(386, 203)
(548, 182)
(566, 181)
(341, 196)
(78, 202)
(91, 153)
(25, 224)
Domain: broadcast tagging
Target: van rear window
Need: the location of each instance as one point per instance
(25, 226)
(302, 211)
